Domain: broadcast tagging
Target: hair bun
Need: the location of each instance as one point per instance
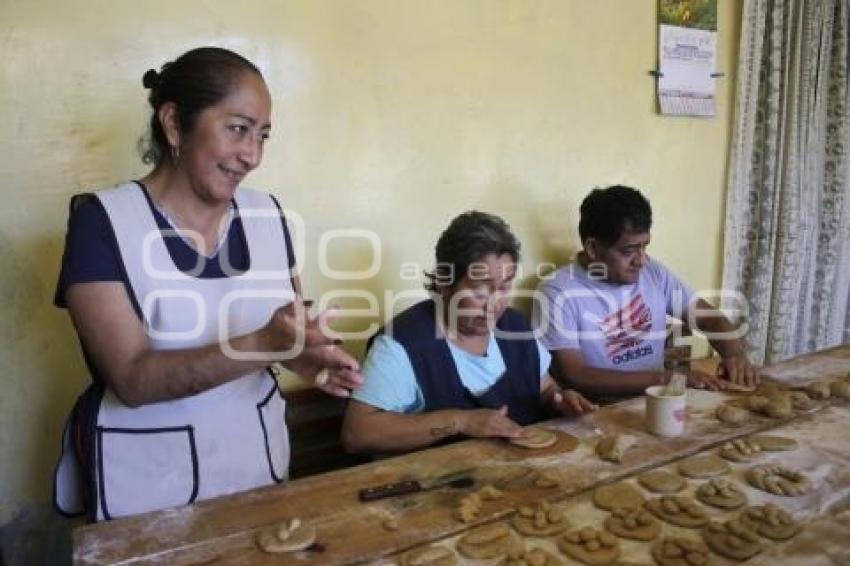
(151, 78)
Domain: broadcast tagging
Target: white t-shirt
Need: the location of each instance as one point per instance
(615, 326)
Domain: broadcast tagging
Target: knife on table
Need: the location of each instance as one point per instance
(459, 478)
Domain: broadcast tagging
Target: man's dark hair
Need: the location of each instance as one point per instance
(468, 239)
(607, 213)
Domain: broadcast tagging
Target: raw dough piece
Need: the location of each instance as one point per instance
(430, 556)
(741, 450)
(819, 390)
(779, 408)
(680, 551)
(612, 447)
(755, 403)
(661, 481)
(770, 521)
(801, 402)
(489, 541)
(732, 540)
(721, 493)
(636, 524)
(469, 508)
(547, 479)
(771, 389)
(524, 476)
(537, 438)
(705, 466)
(490, 493)
(286, 537)
(731, 414)
(776, 407)
(733, 387)
(680, 511)
(540, 521)
(615, 495)
(590, 546)
(530, 557)
(778, 480)
(774, 443)
(840, 389)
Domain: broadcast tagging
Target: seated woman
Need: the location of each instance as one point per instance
(460, 363)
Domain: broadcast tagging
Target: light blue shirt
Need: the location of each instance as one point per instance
(390, 383)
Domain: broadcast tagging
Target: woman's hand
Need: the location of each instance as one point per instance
(291, 330)
(336, 371)
(488, 422)
(571, 402)
(308, 347)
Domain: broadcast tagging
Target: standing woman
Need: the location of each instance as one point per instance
(182, 289)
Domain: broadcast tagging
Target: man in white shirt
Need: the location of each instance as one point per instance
(603, 317)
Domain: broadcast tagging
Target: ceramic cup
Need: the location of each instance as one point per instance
(665, 414)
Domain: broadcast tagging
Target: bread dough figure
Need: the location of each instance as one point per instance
(770, 521)
(778, 480)
(632, 523)
(542, 520)
(489, 541)
(721, 493)
(680, 551)
(732, 539)
(680, 511)
(590, 546)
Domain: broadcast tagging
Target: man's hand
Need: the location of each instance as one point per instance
(702, 380)
(737, 369)
(488, 422)
(571, 402)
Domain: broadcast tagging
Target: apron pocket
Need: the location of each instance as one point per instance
(272, 414)
(145, 469)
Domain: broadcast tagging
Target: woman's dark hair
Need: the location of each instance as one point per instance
(468, 239)
(196, 80)
(607, 213)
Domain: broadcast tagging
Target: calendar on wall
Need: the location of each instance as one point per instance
(687, 47)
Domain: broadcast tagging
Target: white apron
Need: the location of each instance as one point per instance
(229, 438)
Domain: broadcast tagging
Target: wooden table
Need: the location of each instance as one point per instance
(222, 530)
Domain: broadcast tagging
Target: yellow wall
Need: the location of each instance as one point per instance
(389, 115)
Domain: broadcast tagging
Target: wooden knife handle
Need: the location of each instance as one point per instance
(389, 490)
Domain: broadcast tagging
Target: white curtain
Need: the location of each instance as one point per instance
(788, 202)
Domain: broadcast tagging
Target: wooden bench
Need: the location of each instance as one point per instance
(314, 419)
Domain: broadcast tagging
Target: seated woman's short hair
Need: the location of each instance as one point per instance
(469, 238)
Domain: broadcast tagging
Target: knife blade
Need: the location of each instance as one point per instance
(456, 479)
